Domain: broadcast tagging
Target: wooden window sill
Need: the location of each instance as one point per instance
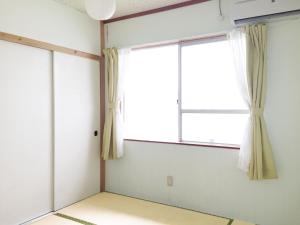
(209, 145)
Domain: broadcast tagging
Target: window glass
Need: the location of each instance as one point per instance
(213, 128)
(208, 77)
(151, 111)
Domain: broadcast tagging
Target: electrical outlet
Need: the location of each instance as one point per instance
(170, 181)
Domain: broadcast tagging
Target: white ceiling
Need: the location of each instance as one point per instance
(125, 7)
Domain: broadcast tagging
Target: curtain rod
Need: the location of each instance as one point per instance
(184, 41)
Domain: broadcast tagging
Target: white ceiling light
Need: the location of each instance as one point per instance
(100, 9)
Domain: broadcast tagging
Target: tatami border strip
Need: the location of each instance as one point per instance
(74, 219)
(230, 222)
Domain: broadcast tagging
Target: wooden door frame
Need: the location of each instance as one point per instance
(102, 103)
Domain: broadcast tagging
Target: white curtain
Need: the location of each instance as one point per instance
(116, 64)
(238, 45)
(249, 52)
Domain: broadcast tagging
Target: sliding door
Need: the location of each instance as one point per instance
(77, 138)
(26, 140)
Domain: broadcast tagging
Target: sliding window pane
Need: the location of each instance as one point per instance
(213, 128)
(151, 94)
(208, 77)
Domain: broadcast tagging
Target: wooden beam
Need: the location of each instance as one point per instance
(102, 104)
(44, 45)
(157, 10)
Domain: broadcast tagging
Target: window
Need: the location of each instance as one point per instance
(185, 92)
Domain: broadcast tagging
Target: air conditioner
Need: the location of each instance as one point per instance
(250, 11)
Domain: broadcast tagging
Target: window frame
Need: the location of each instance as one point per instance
(181, 111)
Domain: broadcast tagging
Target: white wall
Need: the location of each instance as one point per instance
(200, 19)
(206, 179)
(46, 20)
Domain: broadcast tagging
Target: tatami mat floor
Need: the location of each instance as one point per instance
(113, 209)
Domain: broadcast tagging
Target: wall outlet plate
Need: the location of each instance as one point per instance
(170, 182)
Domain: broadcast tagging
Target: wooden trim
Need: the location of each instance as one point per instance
(44, 45)
(102, 104)
(225, 146)
(157, 10)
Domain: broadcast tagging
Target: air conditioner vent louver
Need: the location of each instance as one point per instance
(250, 11)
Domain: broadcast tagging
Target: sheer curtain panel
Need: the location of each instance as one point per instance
(249, 52)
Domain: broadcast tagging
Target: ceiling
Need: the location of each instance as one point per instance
(125, 7)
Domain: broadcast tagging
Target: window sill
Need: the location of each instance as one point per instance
(209, 145)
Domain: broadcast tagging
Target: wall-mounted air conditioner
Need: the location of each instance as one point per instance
(250, 11)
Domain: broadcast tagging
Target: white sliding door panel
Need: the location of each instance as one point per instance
(26, 140)
(77, 111)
